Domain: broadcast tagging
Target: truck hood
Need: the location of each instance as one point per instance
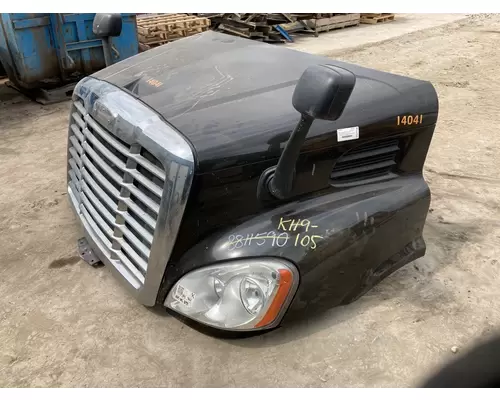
(232, 97)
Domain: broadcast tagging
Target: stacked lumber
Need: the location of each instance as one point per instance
(276, 28)
(368, 18)
(157, 29)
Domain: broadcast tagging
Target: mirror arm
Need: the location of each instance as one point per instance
(280, 184)
(106, 48)
(321, 93)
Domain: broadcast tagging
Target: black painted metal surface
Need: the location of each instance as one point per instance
(232, 99)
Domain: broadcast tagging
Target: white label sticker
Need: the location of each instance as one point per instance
(183, 295)
(348, 134)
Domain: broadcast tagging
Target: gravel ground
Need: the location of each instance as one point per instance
(63, 323)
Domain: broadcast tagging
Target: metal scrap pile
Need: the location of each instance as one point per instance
(157, 29)
(277, 27)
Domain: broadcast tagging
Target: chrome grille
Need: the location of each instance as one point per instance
(118, 187)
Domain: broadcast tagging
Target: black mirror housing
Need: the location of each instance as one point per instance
(323, 91)
(107, 25)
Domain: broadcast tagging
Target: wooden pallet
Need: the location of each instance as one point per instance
(159, 29)
(330, 23)
(376, 18)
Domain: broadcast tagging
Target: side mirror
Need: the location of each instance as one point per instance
(107, 25)
(321, 93)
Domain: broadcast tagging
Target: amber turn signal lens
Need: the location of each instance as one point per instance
(286, 281)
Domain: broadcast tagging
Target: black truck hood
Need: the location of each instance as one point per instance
(232, 97)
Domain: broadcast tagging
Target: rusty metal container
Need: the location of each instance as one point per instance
(50, 50)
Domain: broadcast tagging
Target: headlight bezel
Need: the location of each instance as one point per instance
(284, 301)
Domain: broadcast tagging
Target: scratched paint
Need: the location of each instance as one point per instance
(286, 234)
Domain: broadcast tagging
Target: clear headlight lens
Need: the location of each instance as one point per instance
(251, 295)
(236, 295)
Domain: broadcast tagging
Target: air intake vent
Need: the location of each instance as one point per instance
(368, 163)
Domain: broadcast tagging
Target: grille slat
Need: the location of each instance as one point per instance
(100, 178)
(137, 227)
(131, 267)
(367, 163)
(75, 191)
(149, 166)
(94, 202)
(135, 242)
(101, 236)
(118, 191)
(106, 228)
(89, 196)
(113, 191)
(107, 137)
(117, 178)
(77, 133)
(104, 151)
(75, 179)
(153, 187)
(97, 191)
(143, 198)
(75, 168)
(104, 233)
(133, 256)
(80, 108)
(118, 146)
(78, 120)
(76, 144)
(102, 164)
(140, 213)
(75, 155)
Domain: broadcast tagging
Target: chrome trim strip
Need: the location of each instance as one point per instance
(133, 122)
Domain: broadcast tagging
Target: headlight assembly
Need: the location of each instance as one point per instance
(241, 295)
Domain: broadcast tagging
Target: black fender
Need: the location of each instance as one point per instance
(342, 243)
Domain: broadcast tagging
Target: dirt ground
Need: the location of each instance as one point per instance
(63, 323)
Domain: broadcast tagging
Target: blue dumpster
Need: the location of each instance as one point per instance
(40, 51)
